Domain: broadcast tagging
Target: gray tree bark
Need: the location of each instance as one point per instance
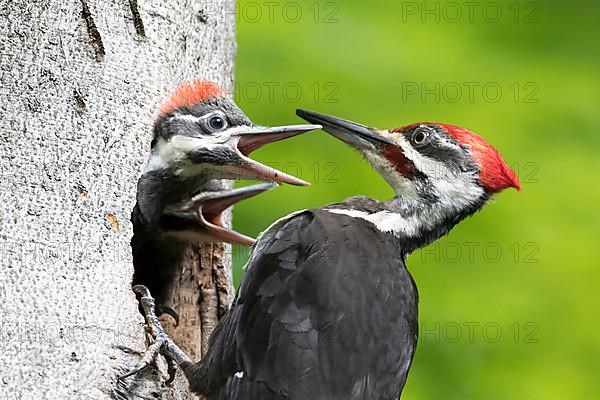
(80, 83)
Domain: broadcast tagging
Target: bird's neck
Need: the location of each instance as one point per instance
(156, 190)
(415, 223)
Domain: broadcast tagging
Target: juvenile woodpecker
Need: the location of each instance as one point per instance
(200, 136)
(158, 253)
(327, 309)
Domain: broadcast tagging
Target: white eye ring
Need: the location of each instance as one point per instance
(215, 122)
(421, 136)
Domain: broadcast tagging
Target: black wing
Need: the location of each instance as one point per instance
(326, 311)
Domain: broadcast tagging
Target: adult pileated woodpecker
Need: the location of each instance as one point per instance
(327, 309)
(199, 136)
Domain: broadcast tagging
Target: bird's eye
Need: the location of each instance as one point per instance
(421, 136)
(217, 123)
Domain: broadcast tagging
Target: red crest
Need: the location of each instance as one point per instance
(495, 174)
(190, 94)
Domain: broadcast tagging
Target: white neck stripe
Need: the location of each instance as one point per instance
(386, 221)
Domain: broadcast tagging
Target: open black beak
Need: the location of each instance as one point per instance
(357, 135)
(256, 137)
(201, 218)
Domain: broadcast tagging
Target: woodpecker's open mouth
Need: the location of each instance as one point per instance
(210, 213)
(202, 217)
(356, 135)
(256, 137)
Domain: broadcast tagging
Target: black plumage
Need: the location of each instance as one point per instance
(327, 310)
(200, 137)
(158, 251)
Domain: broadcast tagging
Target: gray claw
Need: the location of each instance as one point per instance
(163, 344)
(141, 291)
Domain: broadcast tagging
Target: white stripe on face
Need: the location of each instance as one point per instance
(185, 117)
(454, 189)
(173, 152)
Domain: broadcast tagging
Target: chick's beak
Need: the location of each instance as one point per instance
(352, 133)
(251, 139)
(210, 212)
(201, 218)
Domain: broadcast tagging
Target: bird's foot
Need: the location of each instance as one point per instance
(163, 344)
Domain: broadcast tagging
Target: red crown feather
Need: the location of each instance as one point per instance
(495, 174)
(191, 93)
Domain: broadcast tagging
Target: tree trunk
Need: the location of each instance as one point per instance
(81, 81)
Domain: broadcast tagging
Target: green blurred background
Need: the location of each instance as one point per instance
(509, 306)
